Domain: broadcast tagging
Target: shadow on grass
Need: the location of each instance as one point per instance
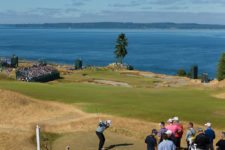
(118, 145)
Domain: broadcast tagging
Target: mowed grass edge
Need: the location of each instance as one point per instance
(141, 103)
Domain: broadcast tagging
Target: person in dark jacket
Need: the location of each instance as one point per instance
(102, 126)
(211, 134)
(220, 145)
(202, 141)
(151, 140)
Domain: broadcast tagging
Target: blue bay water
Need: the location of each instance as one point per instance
(160, 51)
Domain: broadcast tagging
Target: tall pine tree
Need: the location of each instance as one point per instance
(120, 48)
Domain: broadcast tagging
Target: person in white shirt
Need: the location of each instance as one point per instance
(166, 144)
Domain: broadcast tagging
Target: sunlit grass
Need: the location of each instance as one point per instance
(143, 103)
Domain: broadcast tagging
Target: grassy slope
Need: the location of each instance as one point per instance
(142, 103)
(102, 74)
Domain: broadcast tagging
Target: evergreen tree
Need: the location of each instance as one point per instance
(221, 68)
(120, 48)
(182, 73)
(14, 61)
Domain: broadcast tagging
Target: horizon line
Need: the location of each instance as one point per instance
(97, 22)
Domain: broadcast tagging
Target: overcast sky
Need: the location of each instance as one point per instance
(180, 11)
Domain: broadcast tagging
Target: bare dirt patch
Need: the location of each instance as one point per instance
(113, 83)
(220, 95)
(164, 80)
(170, 81)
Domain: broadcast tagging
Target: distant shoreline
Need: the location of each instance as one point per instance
(116, 25)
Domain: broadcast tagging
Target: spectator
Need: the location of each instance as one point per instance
(190, 135)
(170, 126)
(220, 145)
(202, 141)
(177, 131)
(151, 140)
(211, 134)
(161, 131)
(166, 144)
(170, 136)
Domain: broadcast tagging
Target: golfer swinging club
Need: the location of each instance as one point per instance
(102, 126)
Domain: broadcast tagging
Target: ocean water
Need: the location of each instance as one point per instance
(160, 51)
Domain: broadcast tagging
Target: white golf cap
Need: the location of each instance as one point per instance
(175, 118)
(170, 120)
(109, 122)
(208, 124)
(168, 132)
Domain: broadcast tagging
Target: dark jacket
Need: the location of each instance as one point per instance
(211, 134)
(221, 145)
(151, 142)
(173, 139)
(202, 141)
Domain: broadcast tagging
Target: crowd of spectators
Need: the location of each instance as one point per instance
(169, 137)
(37, 73)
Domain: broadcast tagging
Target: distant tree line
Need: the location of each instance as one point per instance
(119, 25)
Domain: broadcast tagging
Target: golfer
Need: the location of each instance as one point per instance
(102, 126)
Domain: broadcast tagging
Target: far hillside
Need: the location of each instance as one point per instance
(120, 25)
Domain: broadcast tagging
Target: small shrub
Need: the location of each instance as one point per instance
(182, 73)
(130, 67)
